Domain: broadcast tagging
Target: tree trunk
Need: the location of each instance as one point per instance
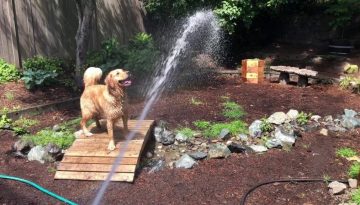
(85, 10)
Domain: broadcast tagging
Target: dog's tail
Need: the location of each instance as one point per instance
(92, 76)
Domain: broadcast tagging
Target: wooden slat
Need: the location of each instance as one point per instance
(102, 153)
(95, 167)
(98, 160)
(103, 147)
(128, 177)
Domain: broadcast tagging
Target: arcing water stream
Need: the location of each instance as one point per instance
(199, 19)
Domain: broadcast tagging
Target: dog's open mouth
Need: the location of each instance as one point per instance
(125, 83)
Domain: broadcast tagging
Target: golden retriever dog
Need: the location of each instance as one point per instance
(104, 101)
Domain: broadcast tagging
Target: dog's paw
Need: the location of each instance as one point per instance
(88, 134)
(111, 146)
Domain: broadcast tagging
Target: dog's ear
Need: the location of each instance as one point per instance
(109, 81)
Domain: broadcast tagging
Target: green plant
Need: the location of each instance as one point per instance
(235, 127)
(326, 178)
(232, 110)
(346, 152)
(9, 95)
(25, 122)
(354, 170)
(38, 78)
(201, 124)
(355, 197)
(265, 125)
(8, 72)
(62, 139)
(303, 118)
(351, 83)
(53, 65)
(186, 131)
(5, 122)
(195, 101)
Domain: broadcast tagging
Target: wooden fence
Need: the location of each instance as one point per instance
(48, 27)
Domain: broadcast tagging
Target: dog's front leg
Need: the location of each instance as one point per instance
(110, 129)
(125, 121)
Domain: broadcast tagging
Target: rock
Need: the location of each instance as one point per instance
(54, 151)
(324, 132)
(350, 113)
(350, 122)
(56, 128)
(228, 142)
(167, 138)
(273, 143)
(224, 134)
(337, 187)
(159, 165)
(311, 127)
(219, 151)
(254, 129)
(278, 118)
(78, 133)
(286, 139)
(315, 118)
(335, 128)
(198, 155)
(237, 148)
(22, 146)
(181, 137)
(149, 155)
(243, 137)
(158, 133)
(353, 183)
(258, 148)
(328, 118)
(185, 162)
(39, 153)
(292, 114)
(203, 145)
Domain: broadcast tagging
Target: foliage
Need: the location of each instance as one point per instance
(351, 83)
(354, 170)
(21, 125)
(186, 131)
(355, 196)
(62, 139)
(232, 110)
(303, 118)
(265, 125)
(201, 124)
(8, 72)
(38, 78)
(195, 101)
(346, 152)
(43, 63)
(9, 95)
(235, 127)
(5, 122)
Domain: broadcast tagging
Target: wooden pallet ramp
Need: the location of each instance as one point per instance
(89, 159)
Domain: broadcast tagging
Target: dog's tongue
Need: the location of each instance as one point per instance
(127, 83)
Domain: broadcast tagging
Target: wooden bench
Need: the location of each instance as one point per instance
(304, 75)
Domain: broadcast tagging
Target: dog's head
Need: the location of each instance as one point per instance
(118, 78)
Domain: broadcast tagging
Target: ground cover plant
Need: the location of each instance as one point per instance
(354, 170)
(63, 139)
(232, 110)
(346, 152)
(8, 72)
(186, 131)
(355, 196)
(303, 118)
(265, 125)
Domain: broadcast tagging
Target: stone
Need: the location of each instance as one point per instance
(39, 154)
(21, 146)
(229, 142)
(78, 133)
(278, 118)
(254, 129)
(181, 137)
(350, 113)
(54, 151)
(167, 137)
(311, 127)
(353, 183)
(258, 148)
(198, 155)
(237, 148)
(337, 187)
(56, 128)
(273, 143)
(203, 145)
(286, 139)
(335, 128)
(159, 165)
(292, 114)
(185, 162)
(328, 118)
(219, 151)
(315, 118)
(243, 137)
(224, 134)
(158, 133)
(149, 155)
(350, 122)
(324, 132)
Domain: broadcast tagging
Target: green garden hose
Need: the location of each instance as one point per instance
(60, 198)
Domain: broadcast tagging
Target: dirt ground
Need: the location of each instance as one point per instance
(215, 181)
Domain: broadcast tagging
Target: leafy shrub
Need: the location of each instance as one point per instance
(355, 196)
(265, 125)
(5, 122)
(232, 110)
(351, 83)
(346, 152)
(62, 139)
(21, 125)
(8, 72)
(235, 127)
(44, 64)
(303, 118)
(354, 170)
(201, 124)
(195, 101)
(38, 78)
(186, 131)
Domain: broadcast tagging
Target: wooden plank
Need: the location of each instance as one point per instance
(102, 153)
(98, 160)
(103, 147)
(95, 167)
(128, 177)
(93, 143)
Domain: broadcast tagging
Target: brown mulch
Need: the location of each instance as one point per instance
(221, 181)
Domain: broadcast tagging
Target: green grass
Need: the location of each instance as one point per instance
(355, 197)
(188, 132)
(345, 152)
(195, 101)
(354, 170)
(201, 124)
(62, 139)
(235, 127)
(25, 122)
(232, 110)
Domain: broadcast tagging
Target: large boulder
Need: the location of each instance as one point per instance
(39, 154)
